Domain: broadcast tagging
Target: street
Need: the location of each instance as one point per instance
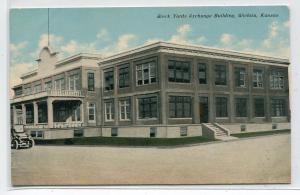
(264, 159)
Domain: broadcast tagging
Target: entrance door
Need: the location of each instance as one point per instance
(203, 109)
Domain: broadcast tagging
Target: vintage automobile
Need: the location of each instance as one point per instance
(19, 139)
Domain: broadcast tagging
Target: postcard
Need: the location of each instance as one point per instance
(150, 96)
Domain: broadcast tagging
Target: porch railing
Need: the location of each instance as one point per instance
(67, 124)
(73, 93)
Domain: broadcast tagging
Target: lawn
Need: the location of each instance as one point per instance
(121, 141)
(261, 133)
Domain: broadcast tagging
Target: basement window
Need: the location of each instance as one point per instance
(274, 126)
(243, 127)
(114, 131)
(78, 133)
(183, 131)
(153, 131)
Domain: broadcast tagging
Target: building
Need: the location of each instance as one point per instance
(157, 90)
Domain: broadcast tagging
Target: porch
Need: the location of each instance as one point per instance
(50, 113)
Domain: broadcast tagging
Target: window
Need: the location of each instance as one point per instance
(114, 131)
(241, 107)
(109, 80)
(92, 112)
(109, 111)
(276, 80)
(29, 113)
(153, 131)
(259, 106)
(74, 82)
(274, 126)
(37, 134)
(278, 107)
(243, 127)
(147, 107)
(124, 77)
(75, 112)
(48, 85)
(78, 133)
(59, 84)
(180, 106)
(124, 106)
(179, 71)
(27, 90)
(37, 88)
(183, 131)
(220, 77)
(257, 78)
(221, 107)
(240, 77)
(91, 81)
(202, 73)
(146, 73)
(42, 113)
(18, 91)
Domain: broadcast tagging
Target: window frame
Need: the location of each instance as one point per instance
(180, 107)
(126, 103)
(262, 106)
(277, 79)
(205, 73)
(124, 77)
(155, 108)
(111, 80)
(111, 112)
(240, 77)
(179, 67)
(282, 106)
(221, 98)
(91, 105)
(91, 81)
(220, 72)
(151, 66)
(258, 78)
(241, 110)
(74, 82)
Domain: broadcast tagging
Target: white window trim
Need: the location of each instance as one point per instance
(94, 108)
(125, 104)
(75, 78)
(257, 77)
(243, 76)
(60, 84)
(105, 113)
(275, 79)
(149, 75)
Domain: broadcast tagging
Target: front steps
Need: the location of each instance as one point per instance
(216, 131)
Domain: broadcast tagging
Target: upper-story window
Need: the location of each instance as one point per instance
(37, 88)
(18, 91)
(146, 73)
(124, 77)
(257, 78)
(240, 77)
(109, 80)
(91, 81)
(48, 85)
(59, 84)
(179, 71)
(276, 79)
(74, 82)
(220, 75)
(202, 73)
(27, 90)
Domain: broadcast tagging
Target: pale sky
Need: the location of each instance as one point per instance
(110, 30)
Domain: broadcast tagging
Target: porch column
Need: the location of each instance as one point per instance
(50, 112)
(24, 114)
(14, 114)
(35, 113)
(82, 113)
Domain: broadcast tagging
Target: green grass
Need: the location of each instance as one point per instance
(119, 141)
(261, 133)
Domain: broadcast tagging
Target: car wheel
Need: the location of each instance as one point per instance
(14, 144)
(31, 143)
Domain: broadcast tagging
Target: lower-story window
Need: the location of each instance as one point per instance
(241, 107)
(180, 106)
(278, 107)
(147, 107)
(259, 106)
(109, 110)
(124, 107)
(221, 107)
(37, 134)
(92, 112)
